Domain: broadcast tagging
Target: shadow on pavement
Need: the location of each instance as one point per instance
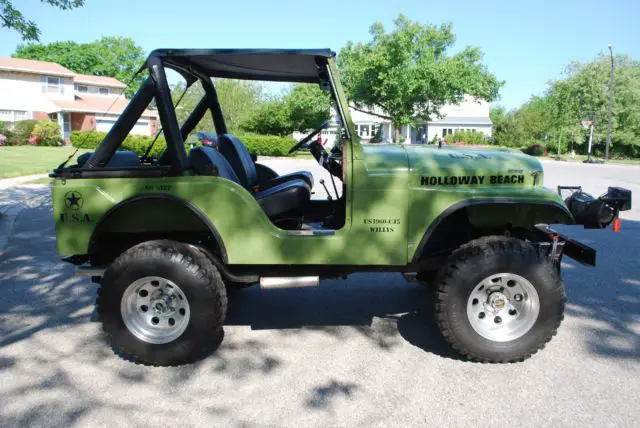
(46, 333)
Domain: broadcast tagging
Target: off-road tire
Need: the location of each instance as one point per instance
(479, 259)
(198, 279)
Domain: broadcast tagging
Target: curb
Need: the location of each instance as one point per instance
(16, 181)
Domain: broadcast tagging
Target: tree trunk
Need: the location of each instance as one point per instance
(397, 129)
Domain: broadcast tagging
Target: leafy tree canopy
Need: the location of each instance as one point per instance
(408, 74)
(13, 19)
(238, 100)
(118, 57)
(305, 107)
(582, 93)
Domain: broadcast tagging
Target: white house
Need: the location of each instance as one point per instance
(45, 90)
(469, 115)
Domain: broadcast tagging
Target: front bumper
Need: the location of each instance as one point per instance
(556, 244)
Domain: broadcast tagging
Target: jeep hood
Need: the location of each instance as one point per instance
(457, 166)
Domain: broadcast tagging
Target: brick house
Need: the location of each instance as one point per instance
(45, 90)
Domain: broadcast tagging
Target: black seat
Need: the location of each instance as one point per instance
(240, 159)
(277, 201)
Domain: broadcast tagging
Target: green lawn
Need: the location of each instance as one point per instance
(25, 160)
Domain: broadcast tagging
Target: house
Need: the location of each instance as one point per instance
(45, 90)
(470, 115)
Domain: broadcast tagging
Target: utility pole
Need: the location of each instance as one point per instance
(610, 124)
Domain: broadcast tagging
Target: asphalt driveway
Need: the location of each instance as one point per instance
(362, 351)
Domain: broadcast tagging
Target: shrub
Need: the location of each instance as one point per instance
(469, 138)
(137, 143)
(87, 139)
(46, 133)
(535, 150)
(2, 139)
(140, 144)
(261, 145)
(22, 130)
(267, 145)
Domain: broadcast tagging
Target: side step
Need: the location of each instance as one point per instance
(289, 281)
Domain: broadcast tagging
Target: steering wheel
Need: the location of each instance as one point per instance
(305, 140)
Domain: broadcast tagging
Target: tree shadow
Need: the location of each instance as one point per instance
(607, 299)
(321, 396)
(383, 308)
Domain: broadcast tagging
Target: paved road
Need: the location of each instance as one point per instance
(359, 352)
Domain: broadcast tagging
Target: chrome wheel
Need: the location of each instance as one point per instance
(155, 310)
(503, 307)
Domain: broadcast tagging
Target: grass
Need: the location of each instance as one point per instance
(16, 161)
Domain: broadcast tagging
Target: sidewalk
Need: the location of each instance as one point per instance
(15, 181)
(12, 201)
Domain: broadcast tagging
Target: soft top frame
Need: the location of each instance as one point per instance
(278, 65)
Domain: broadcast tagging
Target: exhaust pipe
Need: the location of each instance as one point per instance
(289, 281)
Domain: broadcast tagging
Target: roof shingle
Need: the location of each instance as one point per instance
(30, 65)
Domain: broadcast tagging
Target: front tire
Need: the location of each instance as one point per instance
(162, 303)
(498, 300)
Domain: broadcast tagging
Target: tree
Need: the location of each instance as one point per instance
(406, 75)
(238, 100)
(303, 108)
(117, 57)
(13, 19)
(272, 117)
(309, 107)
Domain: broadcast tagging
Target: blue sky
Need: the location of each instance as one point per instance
(525, 43)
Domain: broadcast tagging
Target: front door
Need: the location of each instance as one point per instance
(66, 126)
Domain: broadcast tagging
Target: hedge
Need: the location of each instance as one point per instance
(267, 145)
(137, 143)
(261, 145)
(470, 138)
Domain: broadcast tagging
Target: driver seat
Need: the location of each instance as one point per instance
(240, 159)
(279, 202)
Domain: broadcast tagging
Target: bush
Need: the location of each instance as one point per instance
(469, 138)
(140, 144)
(137, 143)
(261, 145)
(46, 133)
(535, 150)
(22, 130)
(267, 145)
(86, 139)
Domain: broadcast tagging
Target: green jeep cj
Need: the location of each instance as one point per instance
(167, 238)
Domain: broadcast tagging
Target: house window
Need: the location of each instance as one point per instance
(13, 115)
(447, 131)
(54, 85)
(82, 88)
(364, 131)
(104, 91)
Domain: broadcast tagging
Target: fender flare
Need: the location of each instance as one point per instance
(559, 208)
(170, 198)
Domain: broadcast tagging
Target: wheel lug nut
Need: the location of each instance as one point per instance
(512, 312)
(497, 320)
(518, 297)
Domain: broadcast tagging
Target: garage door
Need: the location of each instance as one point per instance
(104, 125)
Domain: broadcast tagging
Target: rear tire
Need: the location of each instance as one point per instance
(162, 303)
(498, 300)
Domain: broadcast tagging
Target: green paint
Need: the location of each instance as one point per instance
(393, 195)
